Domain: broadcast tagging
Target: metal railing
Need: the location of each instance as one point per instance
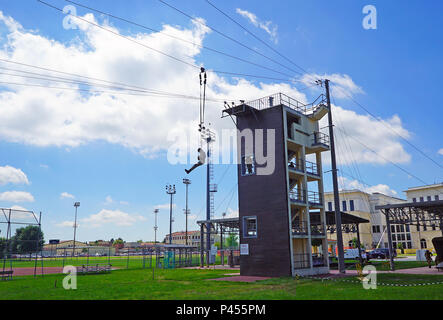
(283, 99)
(315, 198)
(302, 261)
(317, 229)
(299, 227)
(320, 138)
(297, 195)
(318, 260)
(296, 165)
(312, 168)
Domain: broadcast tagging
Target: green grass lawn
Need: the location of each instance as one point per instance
(194, 284)
(385, 266)
(133, 262)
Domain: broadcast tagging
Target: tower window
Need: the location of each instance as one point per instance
(247, 165)
(344, 206)
(351, 205)
(250, 227)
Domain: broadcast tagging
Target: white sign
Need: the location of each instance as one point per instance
(214, 250)
(244, 249)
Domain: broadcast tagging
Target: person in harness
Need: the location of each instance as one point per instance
(201, 160)
(428, 256)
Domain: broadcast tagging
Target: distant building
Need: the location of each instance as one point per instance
(193, 238)
(362, 204)
(66, 247)
(422, 236)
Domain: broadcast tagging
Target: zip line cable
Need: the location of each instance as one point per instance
(117, 84)
(166, 54)
(393, 130)
(180, 39)
(256, 37)
(399, 167)
(228, 37)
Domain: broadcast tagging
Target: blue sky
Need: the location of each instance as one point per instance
(394, 71)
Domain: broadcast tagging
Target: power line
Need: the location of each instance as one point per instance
(117, 84)
(394, 131)
(163, 53)
(399, 167)
(178, 38)
(229, 37)
(256, 37)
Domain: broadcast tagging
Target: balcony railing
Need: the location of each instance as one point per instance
(302, 261)
(297, 195)
(300, 227)
(315, 198)
(319, 138)
(318, 260)
(312, 168)
(296, 165)
(317, 229)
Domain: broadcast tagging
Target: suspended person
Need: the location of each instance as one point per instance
(201, 160)
(428, 256)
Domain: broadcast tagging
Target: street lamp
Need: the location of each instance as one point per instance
(155, 227)
(187, 182)
(171, 191)
(76, 205)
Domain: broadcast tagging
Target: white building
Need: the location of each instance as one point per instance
(362, 204)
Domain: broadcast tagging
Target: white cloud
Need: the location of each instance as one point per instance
(268, 26)
(440, 152)
(65, 224)
(13, 175)
(65, 195)
(342, 86)
(114, 217)
(16, 196)
(231, 213)
(108, 200)
(356, 133)
(68, 119)
(165, 206)
(348, 184)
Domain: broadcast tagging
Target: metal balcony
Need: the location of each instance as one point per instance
(315, 198)
(297, 165)
(319, 139)
(298, 196)
(302, 261)
(312, 168)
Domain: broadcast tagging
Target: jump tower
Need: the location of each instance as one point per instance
(277, 198)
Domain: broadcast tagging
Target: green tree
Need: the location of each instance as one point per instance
(232, 241)
(3, 244)
(27, 240)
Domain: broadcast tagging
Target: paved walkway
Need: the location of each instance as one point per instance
(241, 279)
(421, 270)
(216, 267)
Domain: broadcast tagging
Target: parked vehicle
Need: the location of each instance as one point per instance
(381, 253)
(353, 254)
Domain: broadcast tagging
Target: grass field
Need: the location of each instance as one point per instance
(194, 284)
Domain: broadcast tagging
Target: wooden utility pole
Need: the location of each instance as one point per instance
(341, 254)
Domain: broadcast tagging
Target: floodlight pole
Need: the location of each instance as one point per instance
(155, 227)
(187, 182)
(341, 261)
(171, 191)
(76, 205)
